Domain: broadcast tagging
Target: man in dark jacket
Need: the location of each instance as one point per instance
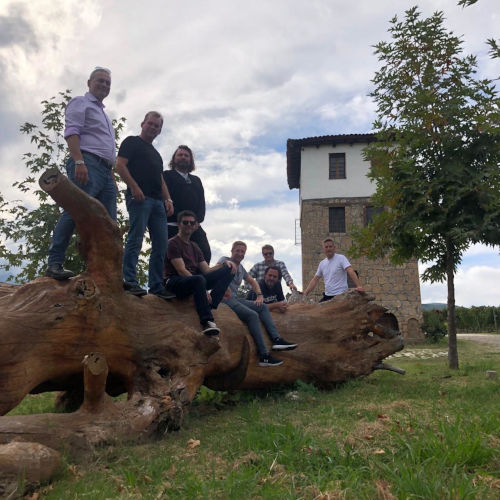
(187, 193)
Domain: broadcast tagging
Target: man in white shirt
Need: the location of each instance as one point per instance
(334, 270)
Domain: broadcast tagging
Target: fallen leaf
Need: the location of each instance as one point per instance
(382, 416)
(193, 443)
(378, 451)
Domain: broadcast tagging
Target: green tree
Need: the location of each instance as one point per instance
(435, 163)
(26, 225)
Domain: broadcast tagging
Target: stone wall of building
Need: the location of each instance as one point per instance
(395, 287)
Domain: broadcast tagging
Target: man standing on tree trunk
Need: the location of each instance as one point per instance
(91, 143)
(148, 202)
(334, 270)
(188, 194)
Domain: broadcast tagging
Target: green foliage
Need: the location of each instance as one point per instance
(435, 161)
(434, 324)
(26, 225)
(478, 319)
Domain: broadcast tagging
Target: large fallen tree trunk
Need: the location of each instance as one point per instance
(153, 349)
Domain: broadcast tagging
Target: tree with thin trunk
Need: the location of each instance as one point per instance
(436, 159)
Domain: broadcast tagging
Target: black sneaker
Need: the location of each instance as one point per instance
(210, 328)
(165, 294)
(282, 345)
(57, 272)
(268, 360)
(134, 289)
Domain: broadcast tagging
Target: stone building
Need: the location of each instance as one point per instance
(330, 173)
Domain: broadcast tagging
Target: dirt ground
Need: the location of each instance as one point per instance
(483, 338)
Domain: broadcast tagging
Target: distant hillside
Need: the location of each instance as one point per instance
(433, 305)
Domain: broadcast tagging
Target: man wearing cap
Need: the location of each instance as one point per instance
(91, 142)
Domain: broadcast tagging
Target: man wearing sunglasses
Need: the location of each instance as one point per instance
(187, 273)
(148, 202)
(91, 142)
(259, 270)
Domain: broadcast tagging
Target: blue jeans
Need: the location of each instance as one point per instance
(100, 186)
(150, 214)
(197, 285)
(252, 315)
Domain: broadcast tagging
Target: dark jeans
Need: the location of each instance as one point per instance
(197, 285)
(199, 237)
(326, 297)
(100, 186)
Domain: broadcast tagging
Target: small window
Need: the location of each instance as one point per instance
(336, 219)
(337, 166)
(370, 212)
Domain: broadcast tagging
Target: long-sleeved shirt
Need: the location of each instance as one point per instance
(85, 117)
(259, 269)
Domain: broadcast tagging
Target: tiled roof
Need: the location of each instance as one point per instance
(294, 147)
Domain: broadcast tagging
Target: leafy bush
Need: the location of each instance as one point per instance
(434, 325)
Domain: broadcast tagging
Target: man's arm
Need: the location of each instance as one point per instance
(180, 266)
(355, 279)
(123, 172)
(204, 267)
(81, 172)
(286, 276)
(169, 204)
(256, 288)
(312, 285)
(278, 306)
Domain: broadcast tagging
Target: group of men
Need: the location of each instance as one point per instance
(172, 203)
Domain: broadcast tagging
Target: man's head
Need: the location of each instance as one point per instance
(100, 83)
(238, 251)
(268, 254)
(272, 276)
(329, 248)
(187, 222)
(182, 159)
(151, 126)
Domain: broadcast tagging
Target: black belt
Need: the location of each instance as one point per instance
(105, 162)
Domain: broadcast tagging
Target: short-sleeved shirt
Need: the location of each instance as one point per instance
(259, 270)
(271, 295)
(239, 276)
(188, 251)
(144, 164)
(333, 272)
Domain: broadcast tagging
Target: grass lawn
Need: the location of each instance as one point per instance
(431, 434)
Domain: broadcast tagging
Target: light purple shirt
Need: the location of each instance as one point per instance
(86, 118)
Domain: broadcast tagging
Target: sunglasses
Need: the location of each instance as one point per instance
(265, 254)
(189, 222)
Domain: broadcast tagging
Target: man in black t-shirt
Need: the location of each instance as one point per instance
(271, 289)
(148, 202)
(188, 194)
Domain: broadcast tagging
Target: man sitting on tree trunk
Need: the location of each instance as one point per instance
(187, 273)
(271, 290)
(253, 312)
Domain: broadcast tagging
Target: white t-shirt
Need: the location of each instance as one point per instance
(333, 272)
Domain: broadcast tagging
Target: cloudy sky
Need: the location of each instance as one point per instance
(234, 79)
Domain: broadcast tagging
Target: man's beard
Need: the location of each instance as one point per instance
(182, 165)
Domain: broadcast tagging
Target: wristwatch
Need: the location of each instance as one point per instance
(79, 162)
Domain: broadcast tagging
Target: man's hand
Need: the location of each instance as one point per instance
(227, 295)
(81, 174)
(231, 265)
(259, 300)
(169, 207)
(137, 194)
(292, 287)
